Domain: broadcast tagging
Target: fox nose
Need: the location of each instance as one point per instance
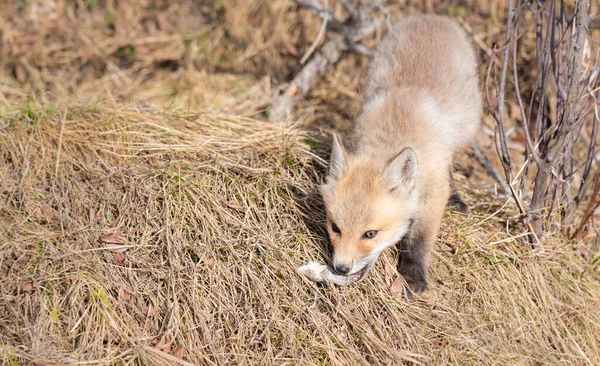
(342, 269)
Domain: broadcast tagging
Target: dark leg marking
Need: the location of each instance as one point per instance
(412, 264)
(455, 199)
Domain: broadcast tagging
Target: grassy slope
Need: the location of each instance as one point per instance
(153, 236)
(159, 235)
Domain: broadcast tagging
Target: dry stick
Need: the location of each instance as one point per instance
(60, 138)
(328, 56)
(567, 117)
(591, 148)
(524, 117)
(322, 12)
(351, 9)
(592, 206)
(359, 48)
(484, 161)
(499, 117)
(480, 42)
(500, 95)
(503, 48)
(317, 40)
(306, 78)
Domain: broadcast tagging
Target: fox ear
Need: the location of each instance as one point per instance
(401, 170)
(337, 164)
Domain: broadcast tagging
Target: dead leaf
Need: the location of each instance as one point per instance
(179, 351)
(119, 258)
(24, 258)
(397, 287)
(28, 287)
(167, 350)
(112, 238)
(440, 342)
(125, 295)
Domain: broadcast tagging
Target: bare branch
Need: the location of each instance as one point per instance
(322, 12)
(351, 9)
(328, 56)
(359, 48)
(317, 40)
(592, 206)
(566, 87)
(484, 161)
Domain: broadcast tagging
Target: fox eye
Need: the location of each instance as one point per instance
(335, 228)
(370, 234)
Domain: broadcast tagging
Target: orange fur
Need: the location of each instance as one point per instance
(422, 104)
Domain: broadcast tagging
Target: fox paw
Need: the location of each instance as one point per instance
(415, 287)
(401, 286)
(455, 201)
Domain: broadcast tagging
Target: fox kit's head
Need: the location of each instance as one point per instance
(369, 204)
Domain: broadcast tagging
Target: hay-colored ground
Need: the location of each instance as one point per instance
(135, 236)
(149, 214)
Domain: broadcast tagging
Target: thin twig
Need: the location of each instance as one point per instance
(60, 138)
(317, 40)
(359, 48)
(484, 161)
(524, 117)
(328, 56)
(592, 206)
(351, 9)
(323, 13)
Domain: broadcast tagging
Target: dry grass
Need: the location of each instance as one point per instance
(188, 53)
(163, 235)
(149, 237)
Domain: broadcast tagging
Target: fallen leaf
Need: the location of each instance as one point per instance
(112, 238)
(167, 350)
(397, 287)
(28, 287)
(179, 351)
(119, 258)
(125, 295)
(439, 341)
(24, 258)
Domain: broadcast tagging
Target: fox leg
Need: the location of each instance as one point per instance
(455, 199)
(416, 246)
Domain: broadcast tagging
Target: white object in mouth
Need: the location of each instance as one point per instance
(319, 272)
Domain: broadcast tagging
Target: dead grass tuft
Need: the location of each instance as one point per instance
(151, 237)
(161, 235)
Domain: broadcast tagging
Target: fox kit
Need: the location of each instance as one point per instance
(392, 184)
